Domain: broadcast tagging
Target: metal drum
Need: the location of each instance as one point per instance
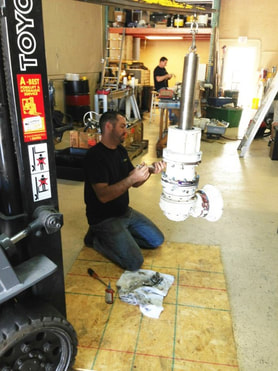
(77, 98)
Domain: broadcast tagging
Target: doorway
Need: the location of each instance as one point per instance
(240, 59)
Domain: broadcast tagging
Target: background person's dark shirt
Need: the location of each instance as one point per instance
(104, 165)
(159, 71)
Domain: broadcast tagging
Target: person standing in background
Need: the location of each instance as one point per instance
(160, 75)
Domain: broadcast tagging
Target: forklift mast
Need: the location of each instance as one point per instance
(28, 174)
(31, 264)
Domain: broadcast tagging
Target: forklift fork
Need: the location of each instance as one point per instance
(14, 280)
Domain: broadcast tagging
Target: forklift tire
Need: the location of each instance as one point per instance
(35, 336)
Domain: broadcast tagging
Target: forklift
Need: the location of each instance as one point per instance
(34, 331)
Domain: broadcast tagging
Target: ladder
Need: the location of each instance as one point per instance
(259, 116)
(111, 72)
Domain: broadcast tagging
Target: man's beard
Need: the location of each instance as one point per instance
(122, 138)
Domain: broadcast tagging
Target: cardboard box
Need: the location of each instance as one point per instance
(74, 138)
(119, 16)
(84, 139)
(87, 140)
(138, 132)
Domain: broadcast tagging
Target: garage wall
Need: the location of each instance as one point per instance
(73, 42)
(255, 19)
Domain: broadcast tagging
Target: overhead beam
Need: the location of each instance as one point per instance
(179, 8)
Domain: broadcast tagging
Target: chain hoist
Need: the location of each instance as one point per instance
(194, 31)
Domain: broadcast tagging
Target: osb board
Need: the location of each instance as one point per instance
(194, 332)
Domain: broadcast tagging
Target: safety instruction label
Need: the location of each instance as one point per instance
(32, 107)
(39, 168)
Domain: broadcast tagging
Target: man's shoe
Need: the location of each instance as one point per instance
(89, 238)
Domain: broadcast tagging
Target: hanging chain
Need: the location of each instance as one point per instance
(194, 30)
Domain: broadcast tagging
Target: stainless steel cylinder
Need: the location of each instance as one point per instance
(190, 69)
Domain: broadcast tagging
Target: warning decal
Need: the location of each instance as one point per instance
(32, 107)
(39, 168)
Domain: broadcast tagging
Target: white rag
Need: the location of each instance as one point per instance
(145, 288)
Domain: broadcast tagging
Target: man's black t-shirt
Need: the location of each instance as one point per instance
(159, 71)
(104, 165)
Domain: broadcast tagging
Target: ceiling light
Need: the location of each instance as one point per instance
(164, 37)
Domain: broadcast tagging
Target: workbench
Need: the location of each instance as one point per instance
(127, 95)
(164, 105)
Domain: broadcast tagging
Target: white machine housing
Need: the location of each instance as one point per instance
(180, 198)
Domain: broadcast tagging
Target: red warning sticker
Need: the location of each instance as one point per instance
(32, 107)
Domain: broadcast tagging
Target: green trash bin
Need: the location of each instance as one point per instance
(228, 114)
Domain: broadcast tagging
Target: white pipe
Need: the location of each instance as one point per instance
(136, 48)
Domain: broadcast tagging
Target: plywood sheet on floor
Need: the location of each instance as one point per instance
(194, 332)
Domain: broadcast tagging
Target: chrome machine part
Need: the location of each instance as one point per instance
(91, 120)
(45, 217)
(190, 70)
(180, 198)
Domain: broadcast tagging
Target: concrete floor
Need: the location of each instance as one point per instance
(246, 233)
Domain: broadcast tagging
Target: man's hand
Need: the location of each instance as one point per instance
(136, 177)
(142, 172)
(139, 174)
(157, 167)
(168, 76)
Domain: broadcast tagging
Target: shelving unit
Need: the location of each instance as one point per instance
(185, 32)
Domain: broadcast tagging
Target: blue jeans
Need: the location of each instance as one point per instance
(120, 239)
